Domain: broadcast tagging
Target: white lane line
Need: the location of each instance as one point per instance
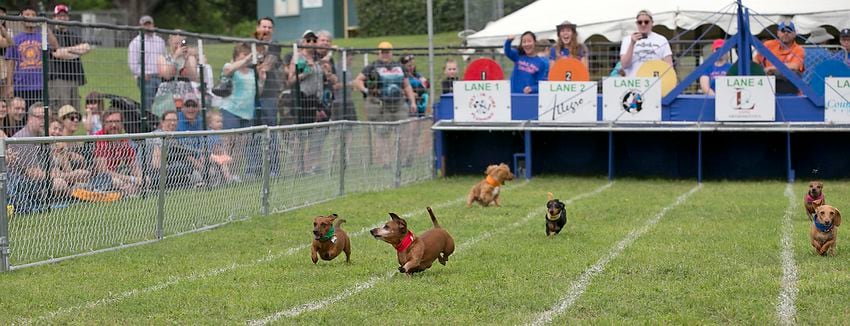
(173, 280)
(786, 309)
(360, 287)
(579, 286)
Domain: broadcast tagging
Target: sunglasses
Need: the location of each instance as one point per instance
(643, 22)
(786, 30)
(73, 118)
(310, 40)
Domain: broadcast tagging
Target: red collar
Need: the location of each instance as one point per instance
(492, 181)
(405, 243)
(809, 198)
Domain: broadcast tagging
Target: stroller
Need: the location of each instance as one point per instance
(131, 113)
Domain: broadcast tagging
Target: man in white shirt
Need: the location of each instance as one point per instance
(643, 45)
(154, 47)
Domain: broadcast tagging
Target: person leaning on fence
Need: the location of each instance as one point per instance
(529, 69)
(844, 39)
(567, 45)
(719, 69)
(383, 84)
(24, 75)
(116, 166)
(29, 185)
(643, 45)
(450, 72)
(66, 69)
(154, 47)
(789, 52)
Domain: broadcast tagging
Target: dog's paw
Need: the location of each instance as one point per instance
(402, 270)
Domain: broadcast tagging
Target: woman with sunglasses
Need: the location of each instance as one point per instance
(567, 45)
(643, 45)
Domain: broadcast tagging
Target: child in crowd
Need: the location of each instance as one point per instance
(529, 68)
(450, 71)
(94, 108)
(218, 152)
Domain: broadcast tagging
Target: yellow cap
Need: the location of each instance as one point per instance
(385, 45)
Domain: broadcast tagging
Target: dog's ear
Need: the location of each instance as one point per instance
(560, 204)
(550, 196)
(837, 220)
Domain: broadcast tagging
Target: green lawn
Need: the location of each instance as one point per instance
(630, 254)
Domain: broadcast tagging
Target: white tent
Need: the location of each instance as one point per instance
(614, 19)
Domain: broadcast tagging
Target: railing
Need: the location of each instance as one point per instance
(93, 201)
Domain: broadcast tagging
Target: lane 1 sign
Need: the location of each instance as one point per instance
(482, 101)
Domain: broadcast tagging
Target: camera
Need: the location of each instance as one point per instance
(183, 42)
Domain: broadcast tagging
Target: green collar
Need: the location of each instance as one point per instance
(328, 235)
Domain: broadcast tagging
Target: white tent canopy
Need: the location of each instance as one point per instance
(614, 19)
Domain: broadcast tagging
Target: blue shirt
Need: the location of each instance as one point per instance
(528, 70)
(717, 71)
(185, 125)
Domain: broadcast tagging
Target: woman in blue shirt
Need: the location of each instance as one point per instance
(528, 67)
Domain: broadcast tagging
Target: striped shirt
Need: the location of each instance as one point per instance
(154, 47)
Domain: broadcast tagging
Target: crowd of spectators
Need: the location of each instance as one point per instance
(267, 87)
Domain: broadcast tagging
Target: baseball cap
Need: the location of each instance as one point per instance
(309, 34)
(60, 8)
(786, 25)
(67, 110)
(385, 45)
(145, 19)
(190, 97)
(718, 43)
(845, 33)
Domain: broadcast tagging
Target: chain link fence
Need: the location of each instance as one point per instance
(71, 196)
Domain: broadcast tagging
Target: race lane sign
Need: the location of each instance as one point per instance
(837, 100)
(482, 101)
(745, 98)
(567, 101)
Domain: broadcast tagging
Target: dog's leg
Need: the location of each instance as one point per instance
(470, 199)
(347, 250)
(826, 246)
(817, 246)
(496, 200)
(314, 255)
(412, 264)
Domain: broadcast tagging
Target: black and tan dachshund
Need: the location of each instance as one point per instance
(556, 216)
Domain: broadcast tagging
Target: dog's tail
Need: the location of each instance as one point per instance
(550, 195)
(433, 218)
(337, 222)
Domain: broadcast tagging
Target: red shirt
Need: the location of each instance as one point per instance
(115, 152)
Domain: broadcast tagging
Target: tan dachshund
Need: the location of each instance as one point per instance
(824, 229)
(329, 239)
(416, 254)
(487, 191)
(814, 198)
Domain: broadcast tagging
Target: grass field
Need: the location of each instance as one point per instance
(634, 252)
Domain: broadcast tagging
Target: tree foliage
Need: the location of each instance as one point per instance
(405, 17)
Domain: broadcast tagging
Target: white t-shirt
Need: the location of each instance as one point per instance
(653, 47)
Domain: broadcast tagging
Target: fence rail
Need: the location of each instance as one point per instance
(86, 206)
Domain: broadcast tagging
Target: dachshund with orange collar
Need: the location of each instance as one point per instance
(486, 191)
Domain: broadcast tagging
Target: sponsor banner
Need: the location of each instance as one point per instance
(837, 100)
(567, 101)
(745, 98)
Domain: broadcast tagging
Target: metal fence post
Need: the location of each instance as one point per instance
(266, 151)
(399, 131)
(4, 217)
(142, 84)
(342, 163)
(160, 207)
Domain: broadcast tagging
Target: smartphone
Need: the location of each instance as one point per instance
(644, 35)
(183, 42)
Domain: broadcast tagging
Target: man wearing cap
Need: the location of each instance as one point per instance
(791, 54)
(844, 38)
(643, 45)
(66, 69)
(719, 69)
(154, 47)
(387, 88)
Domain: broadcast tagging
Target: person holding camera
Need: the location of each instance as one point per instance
(643, 45)
(178, 70)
